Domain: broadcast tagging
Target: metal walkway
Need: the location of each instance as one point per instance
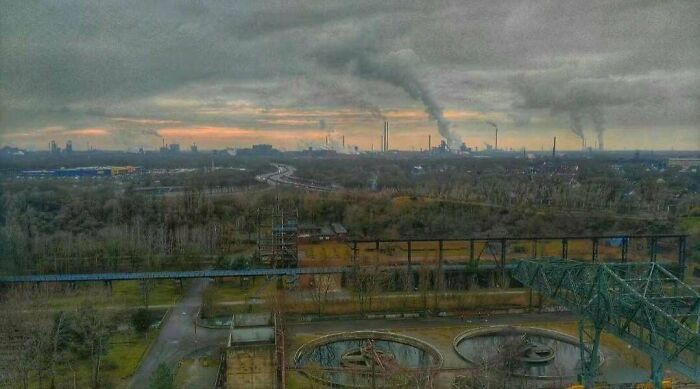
(641, 303)
(178, 275)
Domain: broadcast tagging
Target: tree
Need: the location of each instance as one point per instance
(321, 285)
(367, 284)
(163, 378)
(146, 286)
(91, 338)
(141, 320)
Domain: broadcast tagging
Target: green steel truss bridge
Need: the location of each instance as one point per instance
(641, 303)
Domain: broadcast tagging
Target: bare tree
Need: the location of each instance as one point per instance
(91, 338)
(320, 287)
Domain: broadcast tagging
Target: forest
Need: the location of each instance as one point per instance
(57, 226)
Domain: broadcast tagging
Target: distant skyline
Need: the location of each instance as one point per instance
(128, 74)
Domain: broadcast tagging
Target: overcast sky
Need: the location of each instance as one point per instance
(123, 74)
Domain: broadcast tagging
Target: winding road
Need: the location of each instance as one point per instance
(284, 176)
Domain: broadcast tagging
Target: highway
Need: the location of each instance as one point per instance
(284, 176)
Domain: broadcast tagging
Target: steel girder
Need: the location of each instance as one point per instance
(641, 303)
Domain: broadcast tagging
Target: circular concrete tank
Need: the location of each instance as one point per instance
(533, 353)
(364, 359)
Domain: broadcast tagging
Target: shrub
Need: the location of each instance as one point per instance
(141, 320)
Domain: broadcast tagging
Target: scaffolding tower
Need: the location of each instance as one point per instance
(277, 236)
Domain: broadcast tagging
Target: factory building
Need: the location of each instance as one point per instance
(104, 171)
(313, 233)
(261, 150)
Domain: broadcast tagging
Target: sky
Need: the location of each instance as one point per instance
(137, 73)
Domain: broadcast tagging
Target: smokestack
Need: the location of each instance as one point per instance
(554, 148)
(386, 139)
(326, 140)
(429, 145)
(343, 141)
(496, 147)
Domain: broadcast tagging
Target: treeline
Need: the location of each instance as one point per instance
(60, 227)
(623, 187)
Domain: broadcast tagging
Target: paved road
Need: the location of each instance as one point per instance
(285, 176)
(177, 337)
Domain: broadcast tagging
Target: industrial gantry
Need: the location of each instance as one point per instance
(642, 303)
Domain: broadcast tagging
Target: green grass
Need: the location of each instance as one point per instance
(690, 224)
(123, 356)
(233, 290)
(123, 294)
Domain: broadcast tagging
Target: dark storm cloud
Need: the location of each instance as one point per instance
(596, 63)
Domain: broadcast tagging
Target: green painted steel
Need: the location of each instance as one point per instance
(642, 303)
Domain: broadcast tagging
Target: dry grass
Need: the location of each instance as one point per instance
(250, 367)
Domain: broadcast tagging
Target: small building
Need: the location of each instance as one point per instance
(313, 233)
(309, 233)
(326, 234)
(341, 233)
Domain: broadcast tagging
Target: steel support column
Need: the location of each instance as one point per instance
(410, 270)
(472, 280)
(354, 252)
(594, 253)
(471, 250)
(657, 373)
(504, 283)
(589, 344)
(440, 275)
(681, 257)
(624, 249)
(565, 248)
(652, 249)
(376, 252)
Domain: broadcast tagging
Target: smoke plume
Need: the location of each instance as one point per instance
(580, 98)
(396, 68)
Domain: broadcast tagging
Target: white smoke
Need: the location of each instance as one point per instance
(396, 68)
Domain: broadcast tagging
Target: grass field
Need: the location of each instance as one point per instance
(123, 356)
(123, 294)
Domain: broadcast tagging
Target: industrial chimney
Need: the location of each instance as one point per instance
(385, 137)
